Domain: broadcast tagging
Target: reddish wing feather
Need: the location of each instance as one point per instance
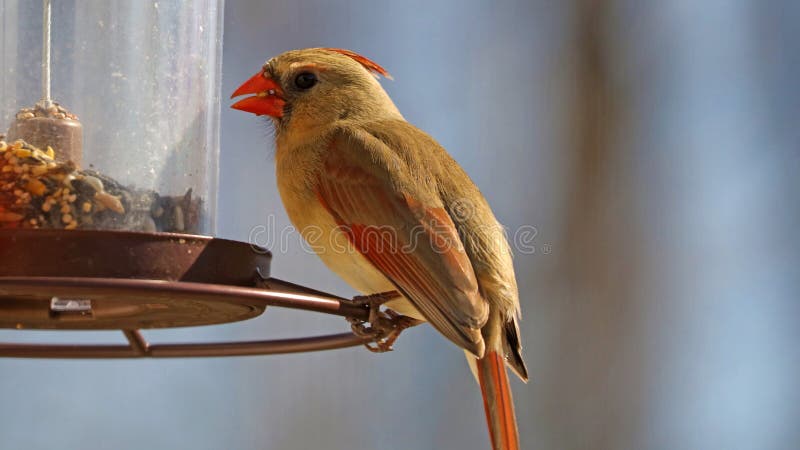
(416, 246)
(368, 64)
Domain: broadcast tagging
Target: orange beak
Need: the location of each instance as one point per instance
(267, 100)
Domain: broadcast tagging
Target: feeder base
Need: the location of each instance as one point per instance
(122, 261)
(103, 280)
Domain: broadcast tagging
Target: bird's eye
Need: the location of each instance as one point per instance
(305, 80)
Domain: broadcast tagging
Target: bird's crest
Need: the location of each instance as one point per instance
(368, 64)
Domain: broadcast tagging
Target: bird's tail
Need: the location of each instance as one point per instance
(497, 401)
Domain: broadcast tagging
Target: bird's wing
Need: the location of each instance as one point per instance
(402, 228)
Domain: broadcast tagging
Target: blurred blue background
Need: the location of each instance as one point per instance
(654, 148)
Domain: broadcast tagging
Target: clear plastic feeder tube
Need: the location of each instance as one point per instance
(141, 79)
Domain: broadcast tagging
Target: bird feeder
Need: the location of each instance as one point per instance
(108, 184)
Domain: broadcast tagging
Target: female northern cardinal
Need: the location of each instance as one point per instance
(388, 209)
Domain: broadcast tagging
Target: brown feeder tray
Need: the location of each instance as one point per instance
(107, 280)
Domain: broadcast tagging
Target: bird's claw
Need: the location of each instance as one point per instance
(383, 326)
(375, 299)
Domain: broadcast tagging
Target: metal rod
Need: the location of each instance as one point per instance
(137, 341)
(271, 347)
(46, 25)
(65, 351)
(209, 349)
(139, 290)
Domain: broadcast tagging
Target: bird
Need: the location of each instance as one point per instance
(391, 212)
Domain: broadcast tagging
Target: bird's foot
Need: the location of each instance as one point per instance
(383, 326)
(375, 299)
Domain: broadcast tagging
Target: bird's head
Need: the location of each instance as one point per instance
(305, 89)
